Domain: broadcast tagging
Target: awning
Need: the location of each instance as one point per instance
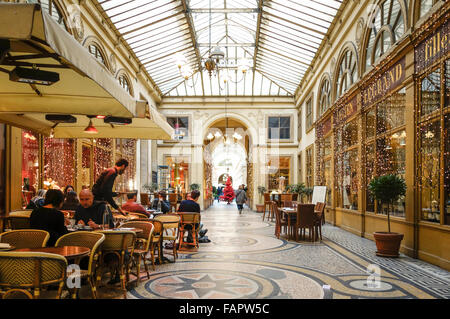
(85, 85)
(152, 127)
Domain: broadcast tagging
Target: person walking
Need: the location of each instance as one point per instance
(241, 198)
(102, 188)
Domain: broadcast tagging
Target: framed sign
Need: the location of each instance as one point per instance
(319, 194)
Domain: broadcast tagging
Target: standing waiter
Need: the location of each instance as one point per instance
(102, 188)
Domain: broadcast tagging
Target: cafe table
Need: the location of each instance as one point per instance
(289, 212)
(69, 252)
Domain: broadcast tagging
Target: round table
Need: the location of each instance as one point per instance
(70, 252)
(133, 229)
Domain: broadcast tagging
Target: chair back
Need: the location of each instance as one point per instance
(91, 240)
(288, 203)
(286, 197)
(146, 226)
(170, 222)
(20, 213)
(31, 270)
(173, 198)
(276, 212)
(118, 240)
(145, 200)
(266, 197)
(294, 197)
(189, 218)
(319, 209)
(25, 238)
(157, 229)
(138, 215)
(19, 222)
(305, 215)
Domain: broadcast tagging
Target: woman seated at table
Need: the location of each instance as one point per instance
(71, 202)
(161, 201)
(49, 218)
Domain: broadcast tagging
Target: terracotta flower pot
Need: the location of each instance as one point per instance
(259, 208)
(388, 244)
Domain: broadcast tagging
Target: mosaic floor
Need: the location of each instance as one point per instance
(245, 260)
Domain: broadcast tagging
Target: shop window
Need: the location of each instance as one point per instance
(385, 146)
(123, 81)
(3, 169)
(279, 127)
(350, 183)
(430, 136)
(431, 93)
(102, 156)
(181, 126)
(59, 162)
(447, 170)
(86, 151)
(348, 72)
(324, 96)
(279, 166)
(327, 179)
(179, 174)
(309, 114)
(386, 28)
(310, 167)
(30, 160)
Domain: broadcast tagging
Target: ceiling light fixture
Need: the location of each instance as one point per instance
(90, 129)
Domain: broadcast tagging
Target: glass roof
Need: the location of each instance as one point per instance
(279, 38)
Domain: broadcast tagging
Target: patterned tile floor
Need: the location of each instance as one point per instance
(245, 260)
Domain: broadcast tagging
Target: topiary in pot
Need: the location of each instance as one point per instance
(387, 189)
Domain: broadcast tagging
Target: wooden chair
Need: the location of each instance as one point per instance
(288, 203)
(173, 199)
(117, 243)
(156, 240)
(280, 221)
(267, 203)
(31, 271)
(319, 211)
(142, 246)
(305, 219)
(192, 219)
(286, 197)
(171, 227)
(91, 240)
(25, 238)
(138, 215)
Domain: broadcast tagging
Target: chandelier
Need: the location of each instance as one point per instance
(216, 64)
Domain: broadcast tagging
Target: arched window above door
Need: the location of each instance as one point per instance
(324, 95)
(386, 26)
(125, 83)
(347, 70)
(52, 9)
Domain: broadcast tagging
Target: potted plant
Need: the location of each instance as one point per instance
(151, 188)
(261, 191)
(308, 192)
(296, 189)
(194, 187)
(387, 189)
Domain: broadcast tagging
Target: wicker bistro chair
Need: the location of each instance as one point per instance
(305, 219)
(192, 219)
(91, 240)
(319, 218)
(156, 240)
(138, 215)
(279, 220)
(25, 238)
(171, 227)
(117, 243)
(143, 241)
(25, 271)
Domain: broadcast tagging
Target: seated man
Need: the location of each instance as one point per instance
(133, 207)
(90, 212)
(191, 205)
(161, 200)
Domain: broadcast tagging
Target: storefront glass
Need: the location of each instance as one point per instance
(30, 160)
(278, 167)
(59, 162)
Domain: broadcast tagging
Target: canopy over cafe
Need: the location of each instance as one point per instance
(53, 95)
(396, 120)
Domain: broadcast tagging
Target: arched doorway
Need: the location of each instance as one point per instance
(226, 153)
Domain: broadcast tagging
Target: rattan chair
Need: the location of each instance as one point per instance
(156, 240)
(25, 271)
(117, 243)
(25, 238)
(138, 215)
(142, 245)
(173, 200)
(91, 240)
(171, 226)
(192, 219)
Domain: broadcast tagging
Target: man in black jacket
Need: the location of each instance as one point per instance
(191, 205)
(165, 205)
(102, 188)
(91, 212)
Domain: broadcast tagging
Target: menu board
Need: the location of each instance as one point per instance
(319, 194)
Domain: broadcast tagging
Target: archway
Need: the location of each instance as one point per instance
(226, 153)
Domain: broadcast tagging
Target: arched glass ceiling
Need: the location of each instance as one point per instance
(279, 37)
